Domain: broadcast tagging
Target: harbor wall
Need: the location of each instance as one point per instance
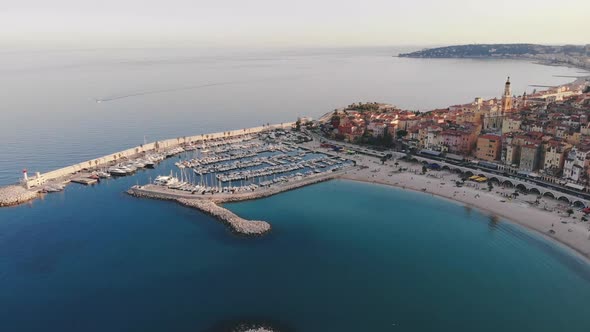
(156, 146)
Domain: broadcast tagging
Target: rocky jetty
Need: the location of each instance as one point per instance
(210, 204)
(237, 224)
(14, 195)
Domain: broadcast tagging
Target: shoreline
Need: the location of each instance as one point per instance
(484, 210)
(568, 232)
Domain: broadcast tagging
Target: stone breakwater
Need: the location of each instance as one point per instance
(14, 195)
(210, 204)
(237, 224)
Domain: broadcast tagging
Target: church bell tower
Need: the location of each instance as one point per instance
(507, 98)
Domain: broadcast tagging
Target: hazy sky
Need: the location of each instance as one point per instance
(292, 23)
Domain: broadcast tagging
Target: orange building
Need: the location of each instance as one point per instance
(489, 147)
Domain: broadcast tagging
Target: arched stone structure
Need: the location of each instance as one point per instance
(579, 204)
(534, 190)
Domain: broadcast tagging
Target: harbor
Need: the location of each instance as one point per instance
(233, 171)
(212, 170)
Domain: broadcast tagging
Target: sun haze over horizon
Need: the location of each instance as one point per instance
(262, 23)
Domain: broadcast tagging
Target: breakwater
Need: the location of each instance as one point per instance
(237, 224)
(210, 204)
(156, 146)
(14, 195)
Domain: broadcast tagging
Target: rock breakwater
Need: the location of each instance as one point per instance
(237, 224)
(14, 195)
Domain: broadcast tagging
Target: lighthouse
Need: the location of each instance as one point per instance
(25, 177)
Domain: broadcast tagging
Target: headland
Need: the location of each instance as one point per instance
(556, 55)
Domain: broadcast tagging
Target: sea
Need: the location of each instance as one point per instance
(342, 255)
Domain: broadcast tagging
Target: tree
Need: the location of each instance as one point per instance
(401, 133)
(298, 125)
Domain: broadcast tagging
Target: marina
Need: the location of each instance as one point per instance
(233, 171)
(218, 168)
(122, 163)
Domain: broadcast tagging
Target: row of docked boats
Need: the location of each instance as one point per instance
(172, 182)
(131, 167)
(254, 173)
(298, 163)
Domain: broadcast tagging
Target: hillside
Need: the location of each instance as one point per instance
(498, 50)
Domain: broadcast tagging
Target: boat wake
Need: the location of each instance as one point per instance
(192, 87)
(152, 92)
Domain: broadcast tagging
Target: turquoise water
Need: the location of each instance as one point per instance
(342, 256)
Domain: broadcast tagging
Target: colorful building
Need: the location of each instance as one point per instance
(489, 147)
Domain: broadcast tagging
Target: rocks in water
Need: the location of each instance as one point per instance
(14, 195)
(238, 224)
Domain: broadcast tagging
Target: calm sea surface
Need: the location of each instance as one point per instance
(342, 256)
(50, 117)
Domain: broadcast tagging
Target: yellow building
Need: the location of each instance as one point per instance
(489, 147)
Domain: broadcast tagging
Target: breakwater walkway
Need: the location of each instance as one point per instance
(210, 203)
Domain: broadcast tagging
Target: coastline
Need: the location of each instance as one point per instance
(572, 234)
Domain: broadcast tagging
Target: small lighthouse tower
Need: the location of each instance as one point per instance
(25, 180)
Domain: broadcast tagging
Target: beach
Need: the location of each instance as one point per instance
(548, 217)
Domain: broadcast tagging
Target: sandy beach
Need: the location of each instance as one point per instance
(546, 216)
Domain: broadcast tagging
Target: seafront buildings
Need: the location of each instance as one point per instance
(544, 135)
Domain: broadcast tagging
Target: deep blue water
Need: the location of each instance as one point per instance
(342, 256)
